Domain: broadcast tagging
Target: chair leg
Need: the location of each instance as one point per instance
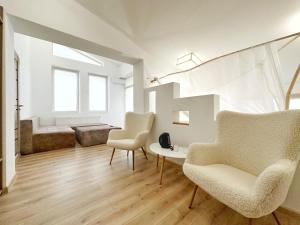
(145, 153)
(276, 218)
(133, 160)
(162, 169)
(127, 153)
(193, 196)
(112, 155)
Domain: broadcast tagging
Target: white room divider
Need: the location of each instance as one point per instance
(198, 124)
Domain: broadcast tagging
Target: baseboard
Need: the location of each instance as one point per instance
(289, 212)
(6, 189)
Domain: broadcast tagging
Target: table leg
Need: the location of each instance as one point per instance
(157, 160)
(162, 169)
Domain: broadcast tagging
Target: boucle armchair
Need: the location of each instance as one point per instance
(133, 136)
(251, 165)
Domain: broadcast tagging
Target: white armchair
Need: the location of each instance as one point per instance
(251, 165)
(134, 135)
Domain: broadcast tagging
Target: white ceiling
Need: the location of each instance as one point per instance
(168, 29)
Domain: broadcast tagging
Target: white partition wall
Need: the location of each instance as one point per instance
(200, 126)
(138, 87)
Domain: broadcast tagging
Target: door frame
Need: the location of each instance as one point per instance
(2, 169)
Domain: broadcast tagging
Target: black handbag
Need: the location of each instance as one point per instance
(165, 141)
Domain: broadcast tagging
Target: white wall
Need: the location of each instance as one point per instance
(8, 104)
(22, 48)
(126, 70)
(138, 87)
(38, 74)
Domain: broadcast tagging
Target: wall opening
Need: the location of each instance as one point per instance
(181, 117)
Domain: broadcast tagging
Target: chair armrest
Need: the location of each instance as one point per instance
(141, 137)
(203, 154)
(277, 176)
(117, 134)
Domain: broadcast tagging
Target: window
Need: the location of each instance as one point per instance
(74, 54)
(294, 102)
(65, 90)
(97, 93)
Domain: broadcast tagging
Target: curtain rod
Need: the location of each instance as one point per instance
(228, 54)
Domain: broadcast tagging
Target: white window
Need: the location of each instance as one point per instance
(295, 102)
(65, 90)
(97, 93)
(129, 99)
(75, 54)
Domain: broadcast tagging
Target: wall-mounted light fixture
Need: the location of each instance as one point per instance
(188, 61)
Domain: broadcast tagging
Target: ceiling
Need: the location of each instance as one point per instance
(167, 29)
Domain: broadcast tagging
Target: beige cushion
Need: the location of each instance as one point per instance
(53, 129)
(123, 144)
(226, 183)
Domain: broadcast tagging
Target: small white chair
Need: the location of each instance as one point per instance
(251, 166)
(133, 136)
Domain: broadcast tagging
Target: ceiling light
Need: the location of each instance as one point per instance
(188, 61)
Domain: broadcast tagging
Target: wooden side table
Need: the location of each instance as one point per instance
(178, 152)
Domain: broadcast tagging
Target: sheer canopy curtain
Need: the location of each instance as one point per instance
(246, 82)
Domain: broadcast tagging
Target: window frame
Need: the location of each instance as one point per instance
(107, 92)
(53, 89)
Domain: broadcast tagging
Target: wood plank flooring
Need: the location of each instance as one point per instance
(78, 186)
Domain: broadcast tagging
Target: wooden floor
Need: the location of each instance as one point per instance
(77, 186)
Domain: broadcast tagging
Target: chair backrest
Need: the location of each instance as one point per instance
(138, 122)
(252, 142)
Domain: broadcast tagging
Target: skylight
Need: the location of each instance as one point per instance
(74, 54)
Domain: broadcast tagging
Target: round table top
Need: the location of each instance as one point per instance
(178, 152)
